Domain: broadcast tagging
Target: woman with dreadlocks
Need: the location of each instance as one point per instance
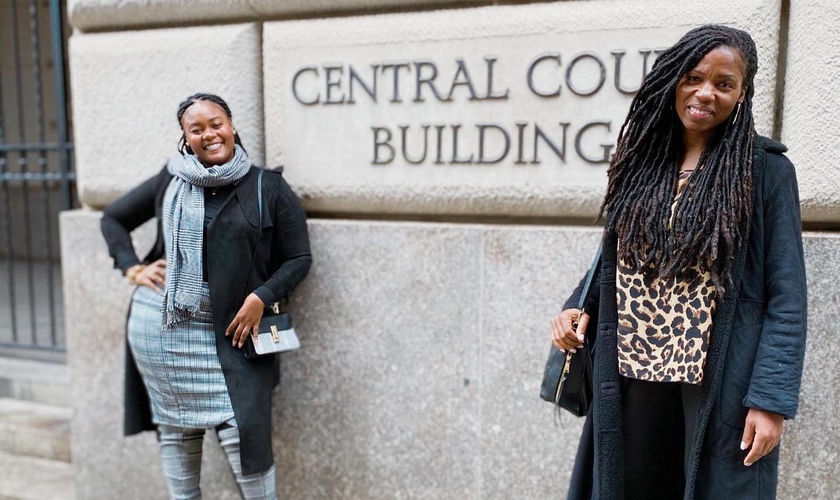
(202, 289)
(700, 307)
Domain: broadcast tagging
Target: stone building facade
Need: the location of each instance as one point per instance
(452, 158)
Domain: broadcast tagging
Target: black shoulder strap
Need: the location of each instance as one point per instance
(259, 237)
(590, 278)
(257, 244)
(259, 200)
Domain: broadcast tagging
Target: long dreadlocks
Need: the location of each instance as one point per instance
(709, 221)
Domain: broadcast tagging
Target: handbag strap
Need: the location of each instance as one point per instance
(259, 236)
(586, 292)
(259, 204)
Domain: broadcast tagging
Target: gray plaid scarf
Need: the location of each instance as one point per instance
(183, 228)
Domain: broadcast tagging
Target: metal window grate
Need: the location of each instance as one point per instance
(36, 173)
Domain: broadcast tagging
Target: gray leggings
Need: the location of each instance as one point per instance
(180, 451)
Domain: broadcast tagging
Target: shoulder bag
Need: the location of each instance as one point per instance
(567, 381)
(276, 333)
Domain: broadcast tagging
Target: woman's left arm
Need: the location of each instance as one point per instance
(291, 244)
(778, 365)
(774, 387)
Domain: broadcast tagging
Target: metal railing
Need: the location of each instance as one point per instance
(36, 175)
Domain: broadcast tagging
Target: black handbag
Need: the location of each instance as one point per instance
(567, 381)
(276, 333)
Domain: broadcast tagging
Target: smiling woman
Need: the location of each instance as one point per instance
(702, 227)
(208, 130)
(201, 293)
(707, 95)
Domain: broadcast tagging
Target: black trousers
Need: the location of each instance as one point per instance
(658, 422)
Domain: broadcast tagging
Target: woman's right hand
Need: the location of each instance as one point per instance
(567, 330)
(153, 276)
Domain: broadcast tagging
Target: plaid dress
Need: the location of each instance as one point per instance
(179, 366)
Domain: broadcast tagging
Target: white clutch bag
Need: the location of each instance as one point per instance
(276, 335)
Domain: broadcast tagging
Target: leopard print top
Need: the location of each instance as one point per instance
(664, 324)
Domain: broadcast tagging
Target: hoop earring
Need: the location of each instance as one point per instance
(737, 112)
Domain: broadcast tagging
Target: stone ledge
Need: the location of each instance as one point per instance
(36, 430)
(27, 478)
(93, 15)
(35, 381)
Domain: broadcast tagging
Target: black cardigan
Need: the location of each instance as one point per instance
(755, 358)
(282, 262)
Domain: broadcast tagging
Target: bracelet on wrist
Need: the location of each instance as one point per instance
(132, 272)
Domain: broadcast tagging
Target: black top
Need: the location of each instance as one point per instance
(214, 198)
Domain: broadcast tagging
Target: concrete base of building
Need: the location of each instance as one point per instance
(422, 354)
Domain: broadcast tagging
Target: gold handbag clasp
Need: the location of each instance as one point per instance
(275, 335)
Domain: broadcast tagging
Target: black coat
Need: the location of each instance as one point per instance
(755, 355)
(283, 260)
